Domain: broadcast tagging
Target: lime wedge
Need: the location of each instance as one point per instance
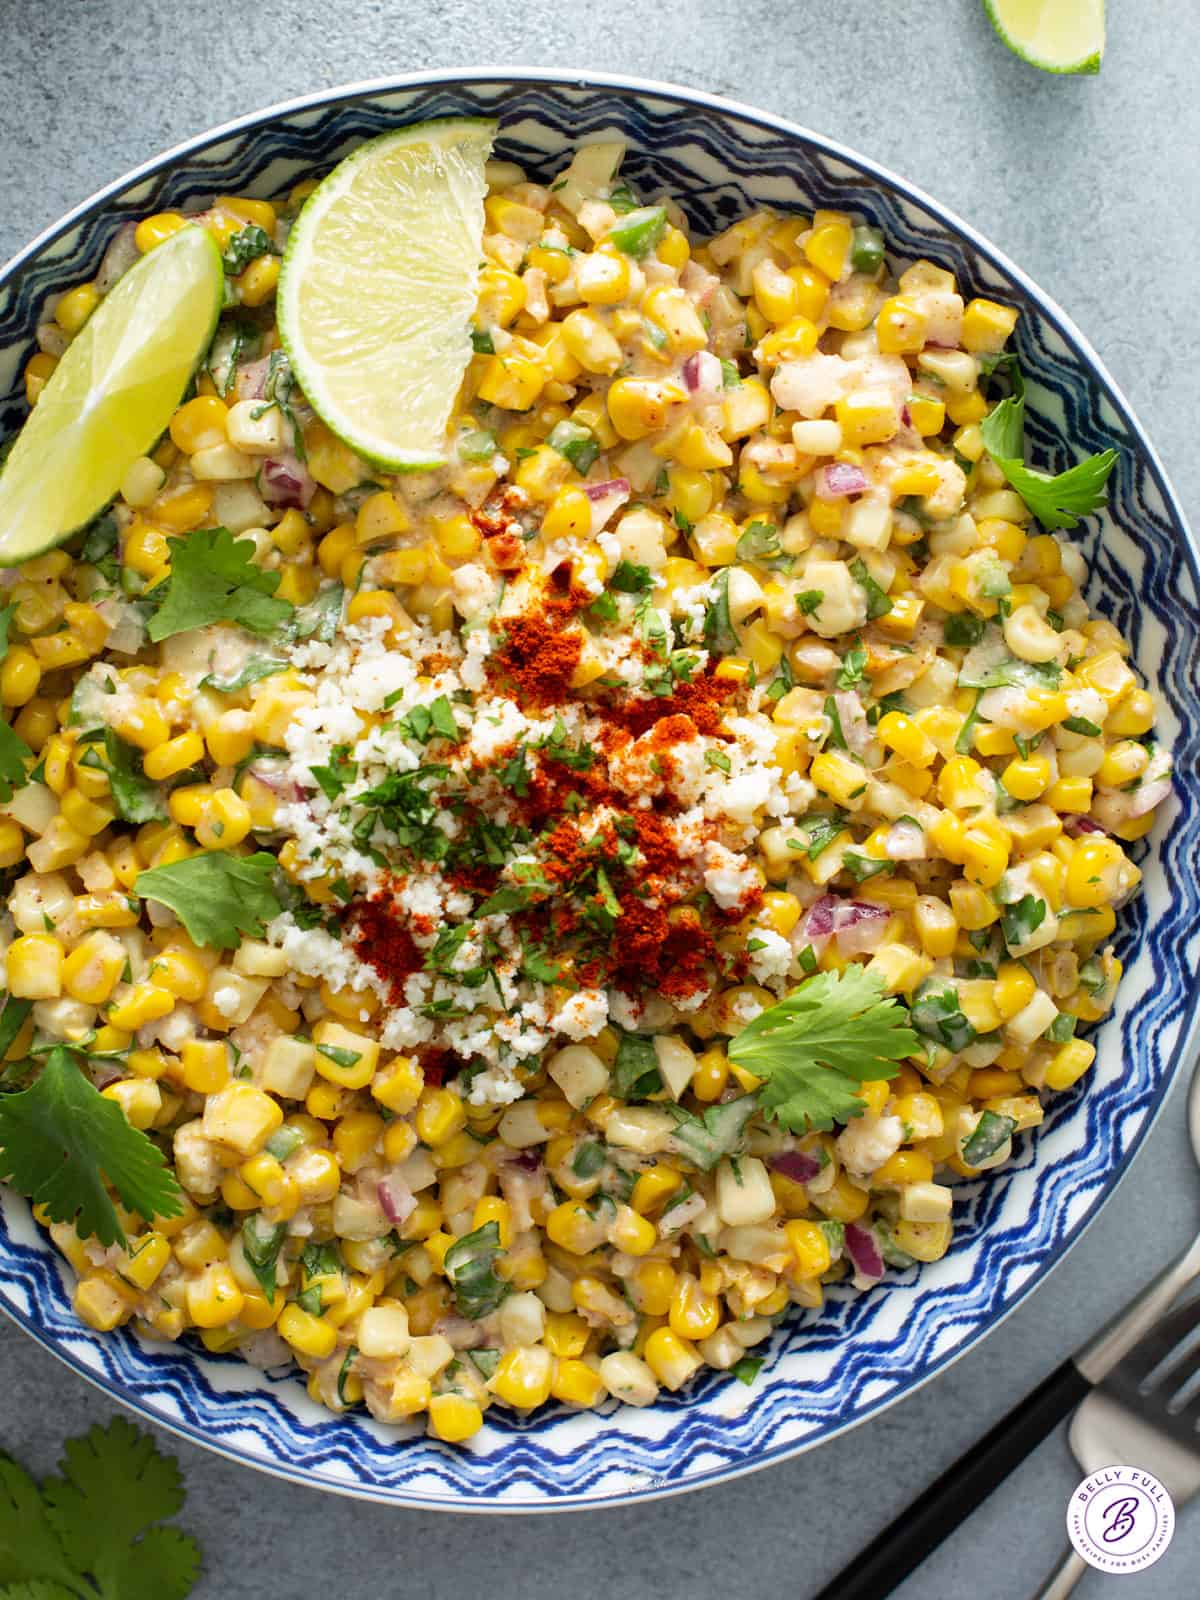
(111, 395)
(378, 285)
(1056, 35)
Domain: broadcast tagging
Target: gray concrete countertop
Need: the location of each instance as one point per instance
(1094, 187)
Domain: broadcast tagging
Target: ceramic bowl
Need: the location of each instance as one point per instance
(823, 1372)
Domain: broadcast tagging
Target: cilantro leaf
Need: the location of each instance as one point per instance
(716, 1132)
(29, 1550)
(62, 1143)
(1059, 500)
(470, 1266)
(14, 753)
(635, 1073)
(214, 578)
(115, 1486)
(256, 668)
(216, 896)
(854, 666)
(246, 246)
(814, 1049)
(630, 578)
(135, 797)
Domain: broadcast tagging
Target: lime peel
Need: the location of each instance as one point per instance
(1062, 36)
(378, 285)
(111, 395)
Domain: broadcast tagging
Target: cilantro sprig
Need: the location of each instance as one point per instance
(217, 897)
(1056, 501)
(816, 1048)
(214, 578)
(62, 1144)
(94, 1532)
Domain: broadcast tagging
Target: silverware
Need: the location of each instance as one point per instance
(905, 1543)
(1145, 1414)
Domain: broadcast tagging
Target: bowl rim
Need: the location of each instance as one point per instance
(1068, 331)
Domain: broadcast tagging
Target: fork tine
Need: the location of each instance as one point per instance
(1160, 1350)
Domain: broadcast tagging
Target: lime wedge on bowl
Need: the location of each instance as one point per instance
(378, 285)
(111, 395)
(1056, 35)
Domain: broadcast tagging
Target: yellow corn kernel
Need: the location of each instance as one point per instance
(99, 1302)
(809, 1246)
(936, 925)
(839, 776)
(512, 381)
(602, 278)
(75, 307)
(986, 326)
(1014, 989)
(205, 1065)
(1069, 1064)
(900, 326)
(143, 1003)
(401, 1089)
(34, 967)
(214, 1298)
(652, 1286)
(522, 1377)
(307, 1335)
(694, 1313)
(144, 1260)
(318, 1179)
(576, 1384)
(924, 1241)
(927, 416)
(900, 733)
(1133, 716)
(200, 424)
(12, 844)
(176, 755)
(568, 516)
(491, 1208)
(87, 817)
(20, 676)
(380, 517)
(673, 313)
(671, 1359)
(453, 1418)
(440, 1115)
(1072, 795)
(258, 281)
(827, 247)
(843, 1201)
(151, 231)
(566, 1334)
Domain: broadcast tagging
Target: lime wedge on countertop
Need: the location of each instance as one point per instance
(1056, 35)
(378, 286)
(111, 395)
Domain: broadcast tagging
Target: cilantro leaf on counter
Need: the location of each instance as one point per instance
(1058, 500)
(817, 1047)
(94, 1530)
(214, 578)
(218, 897)
(62, 1143)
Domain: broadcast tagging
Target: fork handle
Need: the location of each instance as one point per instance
(1064, 1577)
(961, 1489)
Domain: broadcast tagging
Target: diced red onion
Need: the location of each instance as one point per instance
(905, 842)
(859, 926)
(838, 480)
(796, 1165)
(1076, 825)
(703, 375)
(396, 1199)
(527, 1160)
(817, 924)
(274, 775)
(863, 1251)
(285, 481)
(606, 498)
(121, 254)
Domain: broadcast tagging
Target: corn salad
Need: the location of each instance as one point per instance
(719, 655)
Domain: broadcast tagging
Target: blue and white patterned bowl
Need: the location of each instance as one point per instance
(826, 1372)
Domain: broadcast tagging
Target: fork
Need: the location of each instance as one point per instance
(1144, 1413)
